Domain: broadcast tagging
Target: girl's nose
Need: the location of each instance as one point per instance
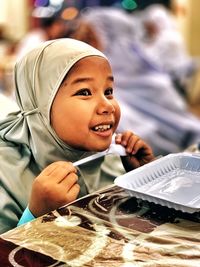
(105, 106)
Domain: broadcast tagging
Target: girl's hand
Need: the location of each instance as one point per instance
(54, 187)
(138, 152)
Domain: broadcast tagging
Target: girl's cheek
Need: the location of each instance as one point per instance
(117, 116)
(118, 111)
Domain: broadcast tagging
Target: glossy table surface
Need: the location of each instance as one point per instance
(107, 228)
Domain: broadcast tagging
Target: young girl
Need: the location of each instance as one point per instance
(67, 111)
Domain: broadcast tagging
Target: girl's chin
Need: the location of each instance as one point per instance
(102, 148)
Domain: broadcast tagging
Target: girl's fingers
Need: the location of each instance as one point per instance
(73, 193)
(135, 162)
(141, 145)
(69, 181)
(125, 138)
(58, 170)
(48, 170)
(132, 147)
(61, 172)
(118, 138)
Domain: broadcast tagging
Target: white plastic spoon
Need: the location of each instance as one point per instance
(113, 149)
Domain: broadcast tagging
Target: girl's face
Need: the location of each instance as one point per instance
(84, 113)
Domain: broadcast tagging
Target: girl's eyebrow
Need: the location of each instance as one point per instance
(80, 80)
(87, 79)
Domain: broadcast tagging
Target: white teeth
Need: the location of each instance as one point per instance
(102, 128)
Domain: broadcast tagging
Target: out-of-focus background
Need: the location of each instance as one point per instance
(153, 47)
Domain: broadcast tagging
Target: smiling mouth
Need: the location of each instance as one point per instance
(102, 128)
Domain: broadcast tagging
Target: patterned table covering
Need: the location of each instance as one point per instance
(104, 229)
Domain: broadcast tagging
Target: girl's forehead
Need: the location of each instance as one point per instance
(90, 60)
(88, 64)
(89, 69)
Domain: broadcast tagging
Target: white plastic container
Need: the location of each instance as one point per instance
(172, 181)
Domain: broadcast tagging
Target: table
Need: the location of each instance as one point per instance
(104, 229)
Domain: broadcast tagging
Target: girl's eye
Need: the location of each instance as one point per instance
(109, 91)
(84, 92)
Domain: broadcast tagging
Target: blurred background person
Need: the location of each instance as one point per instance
(50, 26)
(164, 45)
(54, 24)
(149, 98)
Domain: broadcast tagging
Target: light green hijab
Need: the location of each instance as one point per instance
(27, 141)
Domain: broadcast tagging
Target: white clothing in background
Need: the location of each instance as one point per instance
(151, 105)
(7, 105)
(30, 41)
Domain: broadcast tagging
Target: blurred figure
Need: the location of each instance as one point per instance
(50, 27)
(65, 23)
(7, 49)
(142, 4)
(111, 24)
(164, 45)
(149, 101)
(7, 105)
(4, 41)
(82, 30)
